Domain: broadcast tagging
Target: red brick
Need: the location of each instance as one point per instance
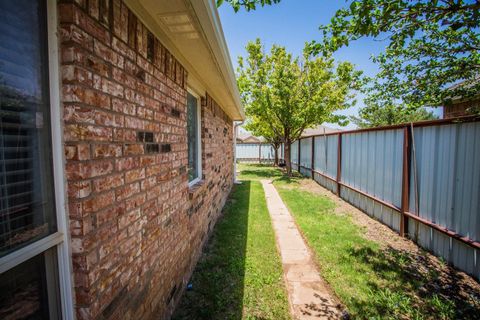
(77, 152)
(123, 107)
(107, 54)
(127, 191)
(78, 132)
(135, 201)
(124, 78)
(126, 163)
(108, 86)
(134, 149)
(120, 20)
(110, 215)
(98, 202)
(108, 182)
(76, 75)
(73, 93)
(107, 150)
(86, 170)
(134, 175)
(125, 135)
(122, 48)
(79, 189)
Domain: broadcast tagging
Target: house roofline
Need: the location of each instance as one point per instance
(207, 58)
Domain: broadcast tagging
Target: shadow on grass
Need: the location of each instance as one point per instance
(405, 278)
(294, 179)
(218, 279)
(265, 171)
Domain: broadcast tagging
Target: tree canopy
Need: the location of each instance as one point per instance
(247, 4)
(375, 116)
(256, 126)
(288, 94)
(430, 45)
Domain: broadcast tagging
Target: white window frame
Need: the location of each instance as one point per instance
(59, 239)
(199, 140)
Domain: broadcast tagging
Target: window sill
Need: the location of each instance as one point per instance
(195, 188)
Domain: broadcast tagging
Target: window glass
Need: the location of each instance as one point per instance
(24, 290)
(193, 137)
(27, 211)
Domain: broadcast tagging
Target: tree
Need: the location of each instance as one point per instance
(247, 4)
(256, 126)
(375, 116)
(431, 45)
(288, 94)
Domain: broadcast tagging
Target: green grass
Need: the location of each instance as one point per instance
(372, 281)
(240, 275)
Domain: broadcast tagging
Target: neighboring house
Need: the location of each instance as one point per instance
(116, 153)
(459, 106)
(246, 137)
(318, 130)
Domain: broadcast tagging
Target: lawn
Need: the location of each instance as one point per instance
(373, 281)
(239, 275)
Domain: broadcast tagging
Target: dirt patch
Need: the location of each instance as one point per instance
(418, 265)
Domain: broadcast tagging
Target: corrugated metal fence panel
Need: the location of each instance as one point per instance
(326, 154)
(447, 160)
(306, 152)
(247, 151)
(448, 176)
(372, 162)
(377, 210)
(268, 153)
(294, 155)
(327, 183)
(294, 152)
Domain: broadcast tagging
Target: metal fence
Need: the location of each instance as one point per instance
(255, 152)
(421, 179)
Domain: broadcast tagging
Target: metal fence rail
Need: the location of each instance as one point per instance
(420, 179)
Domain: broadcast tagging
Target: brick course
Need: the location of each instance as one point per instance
(136, 227)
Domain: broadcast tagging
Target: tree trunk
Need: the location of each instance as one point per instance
(287, 157)
(275, 160)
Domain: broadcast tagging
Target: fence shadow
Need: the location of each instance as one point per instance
(218, 279)
(445, 295)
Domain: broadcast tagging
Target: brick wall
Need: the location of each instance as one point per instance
(136, 227)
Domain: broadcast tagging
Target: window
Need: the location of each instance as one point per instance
(27, 211)
(193, 137)
(34, 266)
(29, 290)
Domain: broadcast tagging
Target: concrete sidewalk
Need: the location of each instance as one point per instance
(308, 294)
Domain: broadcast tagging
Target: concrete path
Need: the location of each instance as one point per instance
(308, 293)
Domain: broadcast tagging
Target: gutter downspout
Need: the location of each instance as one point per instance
(235, 134)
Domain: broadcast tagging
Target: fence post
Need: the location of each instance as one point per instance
(339, 162)
(313, 157)
(405, 181)
(299, 150)
(260, 153)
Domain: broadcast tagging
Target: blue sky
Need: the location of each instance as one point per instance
(291, 23)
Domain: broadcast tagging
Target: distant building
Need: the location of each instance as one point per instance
(459, 107)
(247, 137)
(319, 130)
